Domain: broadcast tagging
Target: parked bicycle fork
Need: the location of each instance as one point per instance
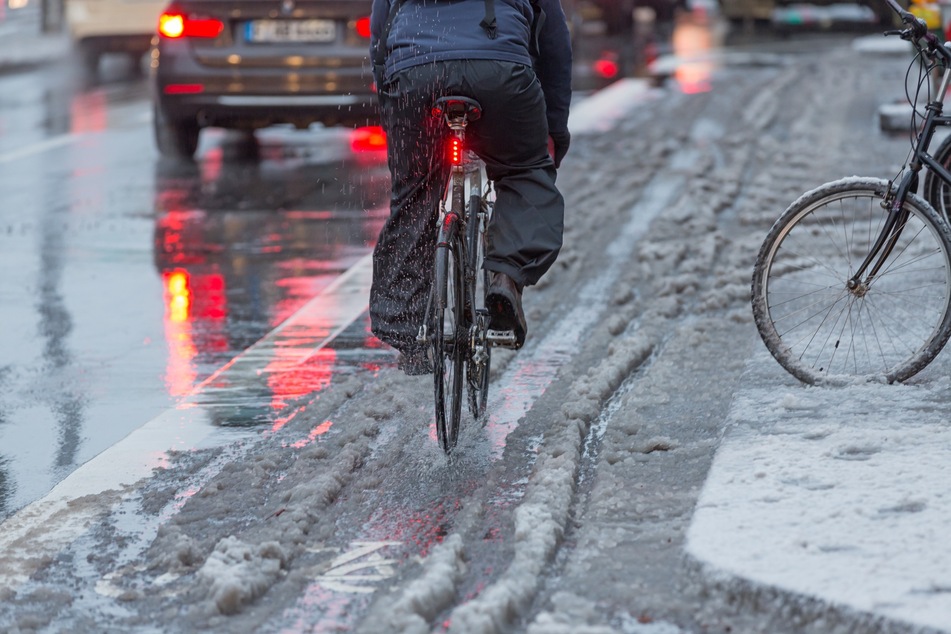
(894, 201)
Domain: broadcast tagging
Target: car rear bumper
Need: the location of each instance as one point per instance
(246, 91)
(116, 43)
(258, 111)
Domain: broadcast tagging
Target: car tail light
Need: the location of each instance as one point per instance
(368, 139)
(363, 27)
(607, 66)
(176, 25)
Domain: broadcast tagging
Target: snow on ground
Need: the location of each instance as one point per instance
(348, 490)
(840, 494)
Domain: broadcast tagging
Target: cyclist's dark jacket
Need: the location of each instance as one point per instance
(425, 31)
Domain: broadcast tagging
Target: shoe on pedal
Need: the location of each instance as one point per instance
(504, 302)
(415, 361)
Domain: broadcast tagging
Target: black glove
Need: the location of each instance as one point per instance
(560, 141)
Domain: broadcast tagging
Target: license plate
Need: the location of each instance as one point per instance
(291, 31)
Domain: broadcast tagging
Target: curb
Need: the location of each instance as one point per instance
(787, 610)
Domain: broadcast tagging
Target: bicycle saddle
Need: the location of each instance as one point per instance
(457, 106)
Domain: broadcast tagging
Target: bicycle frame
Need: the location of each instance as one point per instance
(895, 222)
(465, 167)
(455, 218)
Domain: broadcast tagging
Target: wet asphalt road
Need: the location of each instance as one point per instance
(129, 279)
(122, 241)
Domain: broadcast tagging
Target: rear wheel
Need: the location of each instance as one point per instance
(89, 55)
(450, 344)
(478, 361)
(888, 327)
(175, 139)
(477, 372)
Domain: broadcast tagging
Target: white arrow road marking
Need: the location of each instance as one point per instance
(340, 578)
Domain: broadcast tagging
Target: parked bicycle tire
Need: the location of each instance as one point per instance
(450, 338)
(814, 325)
(936, 191)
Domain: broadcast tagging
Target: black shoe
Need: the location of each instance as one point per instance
(415, 361)
(504, 301)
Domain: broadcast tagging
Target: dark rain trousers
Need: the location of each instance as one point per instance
(525, 233)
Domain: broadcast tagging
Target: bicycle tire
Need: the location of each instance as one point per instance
(936, 191)
(819, 330)
(450, 339)
(479, 361)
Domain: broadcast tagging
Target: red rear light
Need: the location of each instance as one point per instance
(363, 27)
(175, 25)
(606, 68)
(455, 151)
(368, 139)
(183, 89)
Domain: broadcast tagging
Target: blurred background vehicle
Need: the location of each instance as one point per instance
(249, 64)
(98, 27)
(617, 15)
(740, 10)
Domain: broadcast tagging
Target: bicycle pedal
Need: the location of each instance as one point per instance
(501, 338)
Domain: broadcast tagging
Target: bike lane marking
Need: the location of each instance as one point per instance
(31, 536)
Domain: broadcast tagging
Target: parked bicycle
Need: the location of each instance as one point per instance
(853, 281)
(457, 322)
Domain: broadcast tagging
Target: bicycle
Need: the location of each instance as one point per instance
(457, 321)
(853, 280)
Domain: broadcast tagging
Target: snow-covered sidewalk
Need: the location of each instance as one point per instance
(839, 496)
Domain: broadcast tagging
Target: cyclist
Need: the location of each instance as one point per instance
(514, 58)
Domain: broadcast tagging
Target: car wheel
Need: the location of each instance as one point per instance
(175, 139)
(90, 55)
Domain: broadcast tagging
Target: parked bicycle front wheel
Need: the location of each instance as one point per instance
(818, 328)
(450, 343)
(936, 191)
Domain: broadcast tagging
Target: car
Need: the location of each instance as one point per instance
(99, 27)
(743, 10)
(250, 64)
(618, 15)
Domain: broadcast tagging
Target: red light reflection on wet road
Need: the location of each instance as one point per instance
(693, 42)
(289, 377)
(317, 431)
(180, 373)
(189, 299)
(88, 112)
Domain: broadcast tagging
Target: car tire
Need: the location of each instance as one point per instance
(89, 55)
(175, 139)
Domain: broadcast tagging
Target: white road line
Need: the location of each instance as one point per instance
(39, 148)
(37, 532)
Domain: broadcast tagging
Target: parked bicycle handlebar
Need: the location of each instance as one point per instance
(918, 30)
